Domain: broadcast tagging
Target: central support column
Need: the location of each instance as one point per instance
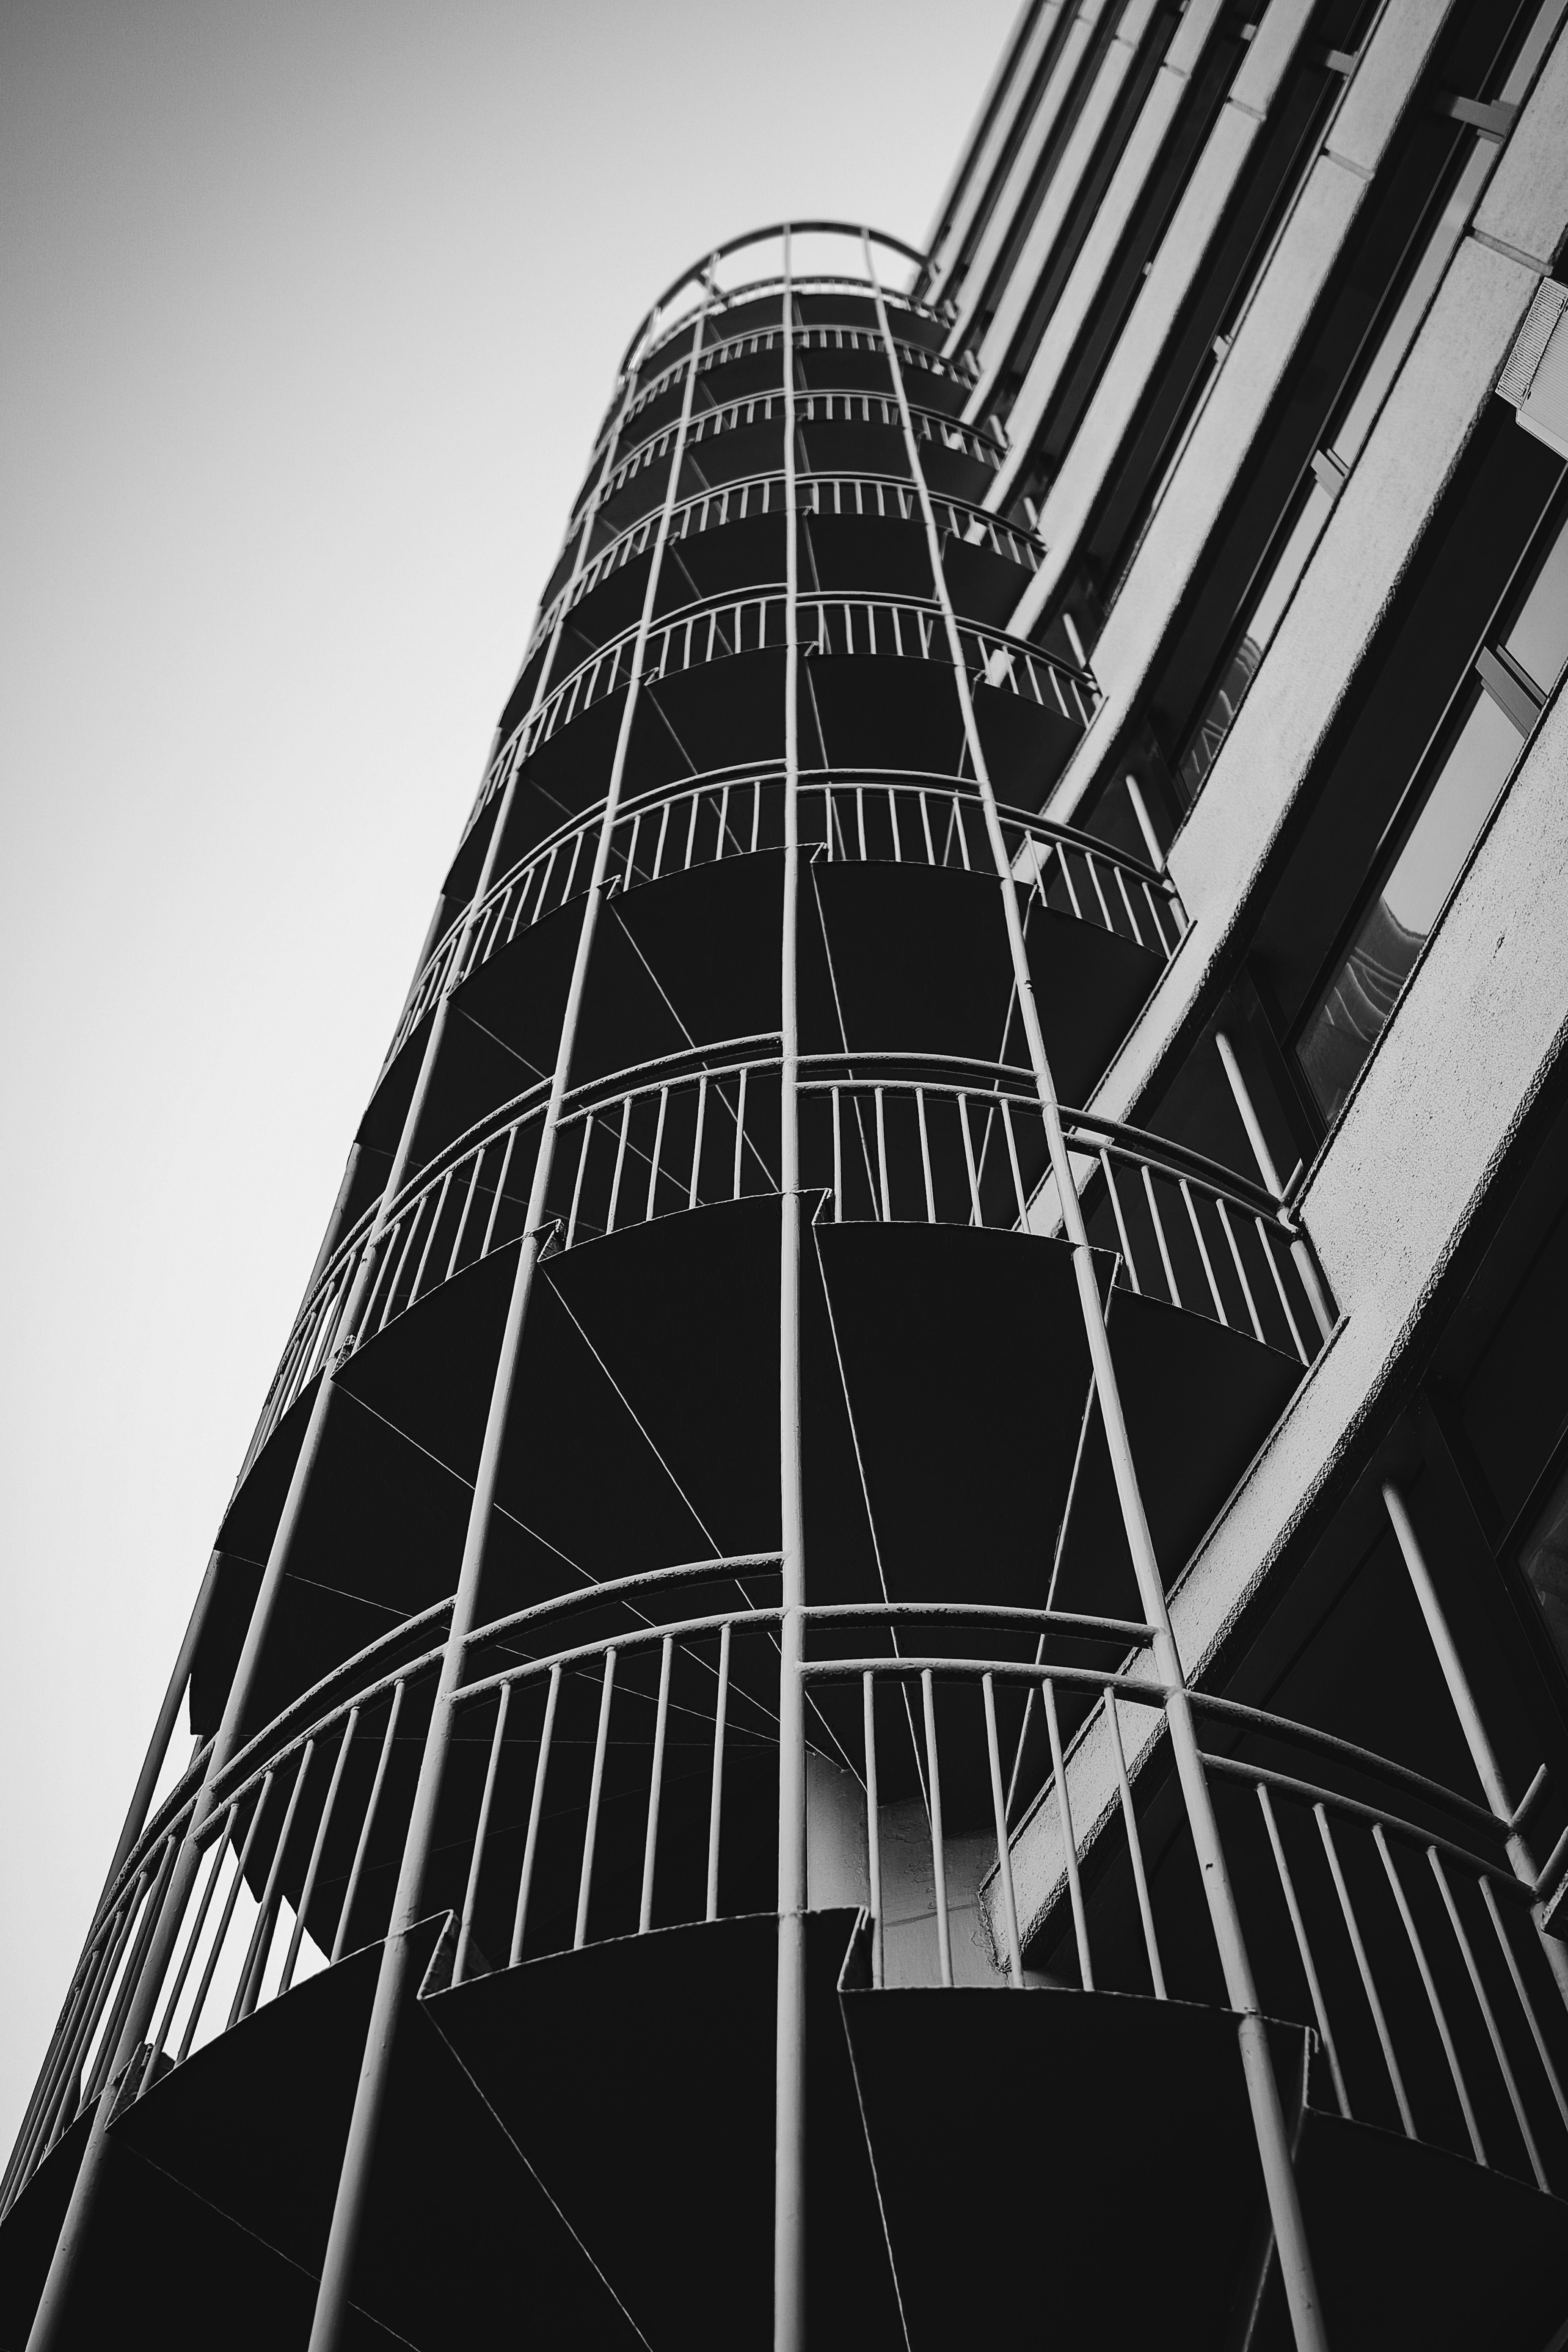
(789, 2092)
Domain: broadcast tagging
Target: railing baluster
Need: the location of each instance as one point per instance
(882, 1160)
(1004, 1849)
(931, 859)
(1013, 1164)
(247, 1992)
(658, 1148)
(500, 1191)
(478, 1157)
(1065, 863)
(925, 1156)
(963, 1103)
(715, 1792)
(838, 1163)
(1488, 2017)
(740, 1133)
(692, 820)
(756, 812)
(655, 1788)
(221, 1935)
(1131, 918)
(1089, 860)
(1070, 1848)
(1428, 1982)
(1160, 1237)
(698, 1141)
(536, 1813)
(620, 1163)
(860, 820)
(595, 1792)
(430, 1237)
(1203, 1252)
(586, 1124)
(481, 1830)
(1542, 2051)
(1240, 1270)
(317, 1848)
(873, 1828)
(145, 1912)
(1116, 1199)
(1279, 1287)
(1151, 901)
(723, 822)
(367, 1827)
(892, 820)
(938, 1848)
(1303, 1948)
(1365, 1966)
(659, 845)
(220, 1845)
(1135, 1851)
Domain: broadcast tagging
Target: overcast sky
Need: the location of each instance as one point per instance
(311, 308)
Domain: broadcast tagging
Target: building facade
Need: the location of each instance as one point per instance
(938, 1371)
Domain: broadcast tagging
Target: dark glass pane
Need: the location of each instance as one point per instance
(1355, 1008)
(1539, 638)
(1544, 1557)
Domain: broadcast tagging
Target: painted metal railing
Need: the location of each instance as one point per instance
(627, 1781)
(802, 288)
(903, 628)
(885, 496)
(933, 427)
(885, 1138)
(961, 370)
(856, 815)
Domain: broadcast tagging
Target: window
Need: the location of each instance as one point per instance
(1427, 202)
(1440, 822)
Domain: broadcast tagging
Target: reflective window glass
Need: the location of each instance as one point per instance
(1538, 640)
(1353, 1010)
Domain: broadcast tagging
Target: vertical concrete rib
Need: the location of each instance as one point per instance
(1268, 2116)
(394, 1986)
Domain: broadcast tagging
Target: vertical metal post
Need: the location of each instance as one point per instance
(163, 1730)
(1473, 1724)
(1300, 1253)
(45, 2333)
(1268, 2114)
(790, 2078)
(394, 1981)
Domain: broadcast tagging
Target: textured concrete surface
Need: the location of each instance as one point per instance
(1371, 537)
(1525, 208)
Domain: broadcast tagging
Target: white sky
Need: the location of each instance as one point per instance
(311, 308)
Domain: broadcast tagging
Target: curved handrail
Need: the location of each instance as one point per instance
(694, 273)
(724, 812)
(750, 495)
(754, 342)
(835, 622)
(810, 407)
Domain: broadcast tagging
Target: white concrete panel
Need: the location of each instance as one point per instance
(1077, 156)
(1268, 54)
(1393, 62)
(1525, 209)
(1266, 343)
(995, 139)
(1368, 545)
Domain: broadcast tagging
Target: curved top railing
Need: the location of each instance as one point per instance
(752, 343)
(827, 404)
(848, 815)
(622, 1772)
(669, 312)
(888, 496)
(884, 1137)
(835, 623)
